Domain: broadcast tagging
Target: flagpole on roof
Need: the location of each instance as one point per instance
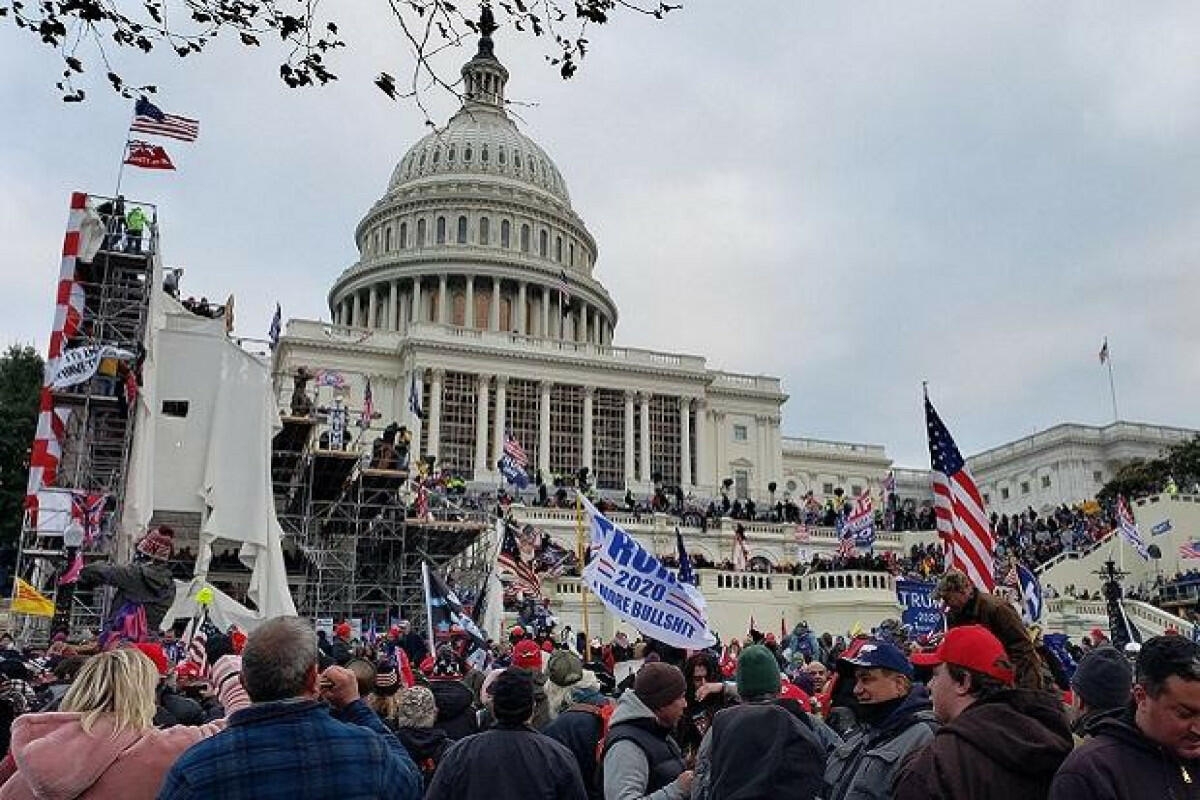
(1106, 358)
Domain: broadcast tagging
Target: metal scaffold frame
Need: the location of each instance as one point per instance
(358, 532)
(98, 435)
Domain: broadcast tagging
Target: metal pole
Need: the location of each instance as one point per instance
(1112, 387)
(428, 608)
(579, 546)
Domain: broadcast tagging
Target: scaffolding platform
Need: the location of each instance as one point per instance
(331, 469)
(288, 446)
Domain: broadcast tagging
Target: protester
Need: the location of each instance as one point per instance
(511, 761)
(383, 700)
(759, 749)
(581, 727)
(103, 742)
(641, 758)
(339, 649)
(1153, 749)
(145, 587)
(416, 711)
(1100, 690)
(996, 742)
(289, 745)
(564, 670)
(970, 606)
(527, 655)
(455, 702)
(701, 668)
(895, 717)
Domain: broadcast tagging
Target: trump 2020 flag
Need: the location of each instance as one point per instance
(635, 586)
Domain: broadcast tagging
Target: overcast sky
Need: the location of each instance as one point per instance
(855, 197)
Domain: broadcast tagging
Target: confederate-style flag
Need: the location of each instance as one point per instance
(147, 156)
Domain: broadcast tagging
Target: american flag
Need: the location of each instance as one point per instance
(961, 518)
(276, 326)
(1190, 549)
(518, 577)
(686, 575)
(889, 484)
(1129, 529)
(149, 118)
(1104, 351)
(563, 288)
(196, 636)
(741, 554)
(513, 449)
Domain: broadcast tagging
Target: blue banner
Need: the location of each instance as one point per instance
(921, 613)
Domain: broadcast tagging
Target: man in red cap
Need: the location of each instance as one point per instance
(527, 655)
(997, 742)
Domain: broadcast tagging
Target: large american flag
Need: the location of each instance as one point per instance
(961, 518)
(149, 118)
(564, 288)
(513, 449)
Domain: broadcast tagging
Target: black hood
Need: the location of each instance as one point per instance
(423, 742)
(452, 698)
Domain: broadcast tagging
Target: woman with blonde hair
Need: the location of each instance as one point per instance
(103, 743)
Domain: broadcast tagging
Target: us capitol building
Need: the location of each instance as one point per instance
(476, 291)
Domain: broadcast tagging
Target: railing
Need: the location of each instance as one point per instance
(754, 383)
(1087, 434)
(1082, 608)
(798, 443)
(1074, 555)
(1161, 620)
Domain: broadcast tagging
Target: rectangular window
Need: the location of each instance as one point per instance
(855, 490)
(608, 437)
(523, 418)
(566, 429)
(827, 488)
(457, 441)
(1045, 481)
(665, 439)
(740, 433)
(1004, 493)
(1097, 477)
(987, 499)
(1024, 487)
(175, 408)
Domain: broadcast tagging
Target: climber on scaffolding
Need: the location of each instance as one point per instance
(144, 588)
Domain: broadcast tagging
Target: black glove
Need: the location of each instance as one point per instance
(217, 645)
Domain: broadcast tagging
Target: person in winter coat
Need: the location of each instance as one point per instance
(1153, 749)
(969, 606)
(699, 669)
(455, 702)
(144, 586)
(895, 717)
(416, 711)
(511, 761)
(103, 742)
(759, 749)
(339, 649)
(527, 655)
(580, 727)
(641, 758)
(1100, 690)
(996, 742)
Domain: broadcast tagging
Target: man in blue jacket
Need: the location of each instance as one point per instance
(288, 744)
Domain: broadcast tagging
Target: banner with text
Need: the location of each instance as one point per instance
(922, 614)
(81, 363)
(634, 585)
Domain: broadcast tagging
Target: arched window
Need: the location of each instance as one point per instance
(403, 235)
(484, 231)
(462, 230)
(467, 153)
(450, 153)
(437, 154)
(421, 160)
(505, 231)
(558, 249)
(458, 309)
(543, 240)
(516, 159)
(441, 230)
(420, 233)
(524, 238)
(501, 156)
(483, 154)
(387, 239)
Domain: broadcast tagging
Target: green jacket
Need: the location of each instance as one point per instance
(135, 220)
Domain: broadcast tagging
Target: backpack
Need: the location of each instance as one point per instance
(786, 753)
(604, 714)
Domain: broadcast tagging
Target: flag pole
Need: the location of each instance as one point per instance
(1112, 387)
(579, 546)
(428, 607)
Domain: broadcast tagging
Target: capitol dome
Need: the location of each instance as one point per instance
(476, 230)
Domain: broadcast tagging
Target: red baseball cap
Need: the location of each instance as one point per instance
(527, 655)
(973, 647)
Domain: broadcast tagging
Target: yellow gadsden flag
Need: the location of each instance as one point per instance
(28, 600)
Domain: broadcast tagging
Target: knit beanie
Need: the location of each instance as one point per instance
(658, 685)
(158, 543)
(512, 696)
(565, 668)
(1103, 679)
(387, 677)
(757, 672)
(416, 708)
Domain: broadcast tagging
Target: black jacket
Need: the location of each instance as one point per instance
(579, 729)
(426, 747)
(1120, 763)
(1004, 747)
(507, 763)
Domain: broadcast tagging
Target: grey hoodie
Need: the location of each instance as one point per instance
(626, 770)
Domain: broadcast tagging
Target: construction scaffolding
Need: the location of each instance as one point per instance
(358, 530)
(110, 292)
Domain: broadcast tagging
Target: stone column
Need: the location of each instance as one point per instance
(630, 477)
(435, 412)
(416, 301)
(494, 322)
(544, 429)
(583, 324)
(545, 331)
(469, 311)
(393, 309)
(685, 442)
(701, 476)
(372, 306)
(481, 427)
(721, 447)
(522, 311)
(442, 316)
(336, 312)
(498, 424)
(358, 310)
(589, 394)
(644, 399)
